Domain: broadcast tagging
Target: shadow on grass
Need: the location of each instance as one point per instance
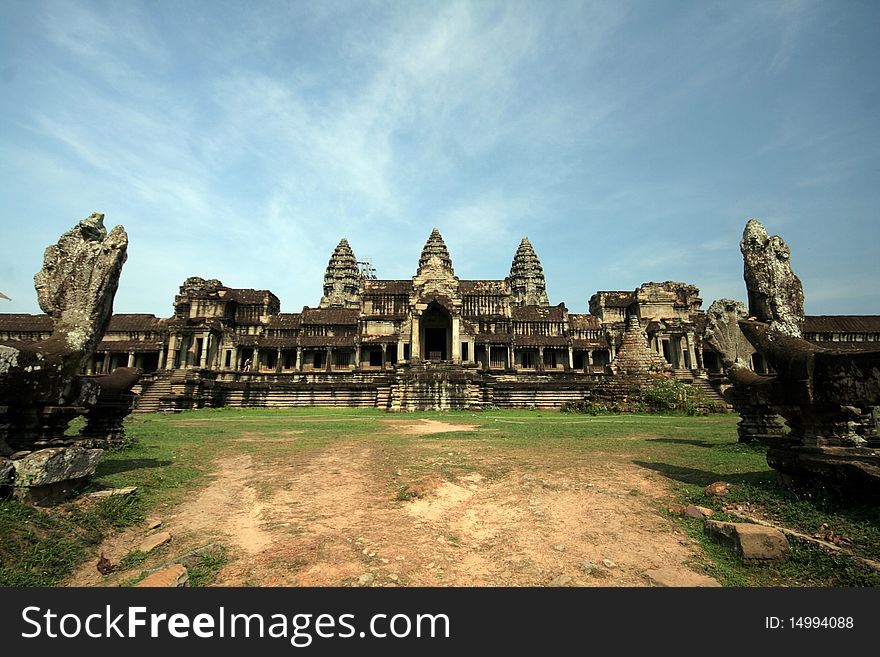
(126, 465)
(704, 477)
(683, 441)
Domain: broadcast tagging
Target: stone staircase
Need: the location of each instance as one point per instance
(700, 383)
(431, 387)
(383, 395)
(149, 400)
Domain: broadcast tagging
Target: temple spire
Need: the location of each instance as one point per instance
(634, 355)
(342, 280)
(527, 286)
(435, 247)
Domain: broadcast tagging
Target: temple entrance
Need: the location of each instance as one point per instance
(436, 327)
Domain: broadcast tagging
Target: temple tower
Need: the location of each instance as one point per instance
(435, 246)
(342, 280)
(435, 305)
(527, 286)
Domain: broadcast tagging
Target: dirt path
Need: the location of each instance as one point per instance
(330, 516)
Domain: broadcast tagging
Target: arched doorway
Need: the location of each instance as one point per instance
(436, 333)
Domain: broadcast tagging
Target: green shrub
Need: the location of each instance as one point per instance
(669, 395)
(663, 396)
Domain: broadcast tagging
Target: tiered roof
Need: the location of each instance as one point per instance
(435, 246)
(342, 278)
(527, 285)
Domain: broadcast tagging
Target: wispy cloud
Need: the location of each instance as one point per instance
(631, 141)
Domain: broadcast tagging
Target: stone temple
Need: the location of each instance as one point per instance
(434, 341)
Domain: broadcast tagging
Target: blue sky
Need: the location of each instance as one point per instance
(630, 141)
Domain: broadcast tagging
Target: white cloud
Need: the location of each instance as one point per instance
(244, 143)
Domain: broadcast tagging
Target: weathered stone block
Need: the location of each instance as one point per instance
(670, 577)
(174, 575)
(717, 489)
(154, 541)
(55, 464)
(695, 511)
(110, 492)
(753, 543)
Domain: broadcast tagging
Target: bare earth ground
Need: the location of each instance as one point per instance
(334, 516)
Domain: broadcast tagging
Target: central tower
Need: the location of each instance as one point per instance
(435, 306)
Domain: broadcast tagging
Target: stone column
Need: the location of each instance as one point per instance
(130, 359)
(540, 359)
(278, 360)
(162, 357)
(692, 347)
(206, 345)
(256, 366)
(384, 347)
(488, 356)
(184, 350)
(169, 359)
(590, 357)
(357, 357)
(328, 366)
(570, 358)
(415, 345)
(456, 345)
(299, 359)
(509, 357)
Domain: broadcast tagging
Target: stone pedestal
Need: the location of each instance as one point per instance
(757, 423)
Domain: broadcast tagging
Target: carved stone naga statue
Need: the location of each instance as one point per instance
(828, 397)
(40, 387)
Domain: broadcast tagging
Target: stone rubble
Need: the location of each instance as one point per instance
(753, 543)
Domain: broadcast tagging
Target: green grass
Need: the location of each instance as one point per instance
(42, 547)
(170, 456)
(133, 559)
(203, 569)
(808, 564)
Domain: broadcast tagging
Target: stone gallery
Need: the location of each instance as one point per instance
(435, 341)
(431, 342)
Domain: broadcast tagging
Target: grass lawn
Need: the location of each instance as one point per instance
(171, 456)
